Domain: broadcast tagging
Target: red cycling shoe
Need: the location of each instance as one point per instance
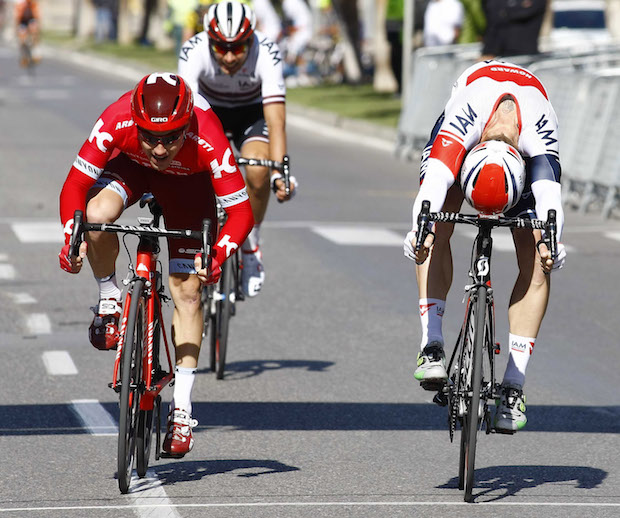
(103, 331)
(179, 439)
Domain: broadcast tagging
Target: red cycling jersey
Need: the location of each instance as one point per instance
(206, 149)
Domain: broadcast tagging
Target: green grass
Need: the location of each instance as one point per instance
(353, 101)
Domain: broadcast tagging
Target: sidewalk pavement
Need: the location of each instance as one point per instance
(314, 119)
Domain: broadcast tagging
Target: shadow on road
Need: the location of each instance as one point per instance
(180, 471)
(505, 481)
(248, 369)
(60, 419)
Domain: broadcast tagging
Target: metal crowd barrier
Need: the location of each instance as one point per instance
(583, 85)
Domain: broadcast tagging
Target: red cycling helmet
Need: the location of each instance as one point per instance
(162, 103)
(492, 177)
(230, 23)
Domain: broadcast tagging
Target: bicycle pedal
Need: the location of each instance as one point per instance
(440, 399)
(116, 388)
(432, 386)
(503, 432)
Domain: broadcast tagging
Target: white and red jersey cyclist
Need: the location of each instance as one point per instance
(260, 79)
(475, 97)
(205, 149)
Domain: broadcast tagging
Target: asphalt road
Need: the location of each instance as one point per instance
(319, 414)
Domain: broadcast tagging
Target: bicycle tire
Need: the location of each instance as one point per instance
(472, 419)
(208, 322)
(223, 314)
(462, 388)
(131, 367)
(146, 422)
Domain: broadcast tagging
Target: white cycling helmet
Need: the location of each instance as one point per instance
(230, 23)
(492, 177)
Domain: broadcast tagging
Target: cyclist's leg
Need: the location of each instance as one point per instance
(118, 187)
(33, 28)
(528, 304)
(434, 276)
(434, 279)
(255, 144)
(185, 202)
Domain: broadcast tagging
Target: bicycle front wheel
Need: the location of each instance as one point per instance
(131, 379)
(146, 419)
(221, 319)
(473, 416)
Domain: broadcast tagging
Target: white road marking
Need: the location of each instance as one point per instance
(4, 258)
(150, 498)
(354, 235)
(94, 417)
(612, 235)
(51, 95)
(38, 232)
(316, 504)
(22, 298)
(7, 271)
(38, 324)
(59, 363)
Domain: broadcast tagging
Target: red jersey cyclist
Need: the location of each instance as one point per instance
(239, 71)
(499, 119)
(153, 139)
(27, 22)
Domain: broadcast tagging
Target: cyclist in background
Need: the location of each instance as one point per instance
(153, 139)
(239, 72)
(27, 22)
(507, 107)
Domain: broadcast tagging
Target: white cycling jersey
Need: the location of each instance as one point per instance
(259, 80)
(475, 97)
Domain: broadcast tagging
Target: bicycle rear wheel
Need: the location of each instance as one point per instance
(221, 319)
(473, 416)
(131, 378)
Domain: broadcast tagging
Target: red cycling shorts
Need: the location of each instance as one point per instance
(185, 202)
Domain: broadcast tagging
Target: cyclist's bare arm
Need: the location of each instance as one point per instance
(275, 117)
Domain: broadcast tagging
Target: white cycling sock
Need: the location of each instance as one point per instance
(521, 348)
(108, 288)
(251, 242)
(183, 383)
(431, 314)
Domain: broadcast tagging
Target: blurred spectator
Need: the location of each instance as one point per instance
(474, 22)
(181, 21)
(149, 8)
(443, 20)
(513, 27)
(267, 19)
(297, 33)
(103, 19)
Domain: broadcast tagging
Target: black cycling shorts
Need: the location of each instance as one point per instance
(243, 123)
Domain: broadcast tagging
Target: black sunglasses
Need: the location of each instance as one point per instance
(164, 140)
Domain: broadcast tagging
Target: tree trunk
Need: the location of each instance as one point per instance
(384, 80)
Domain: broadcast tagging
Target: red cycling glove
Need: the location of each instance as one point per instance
(65, 260)
(214, 272)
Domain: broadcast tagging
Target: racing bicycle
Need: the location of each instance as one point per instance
(138, 375)
(219, 300)
(471, 383)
